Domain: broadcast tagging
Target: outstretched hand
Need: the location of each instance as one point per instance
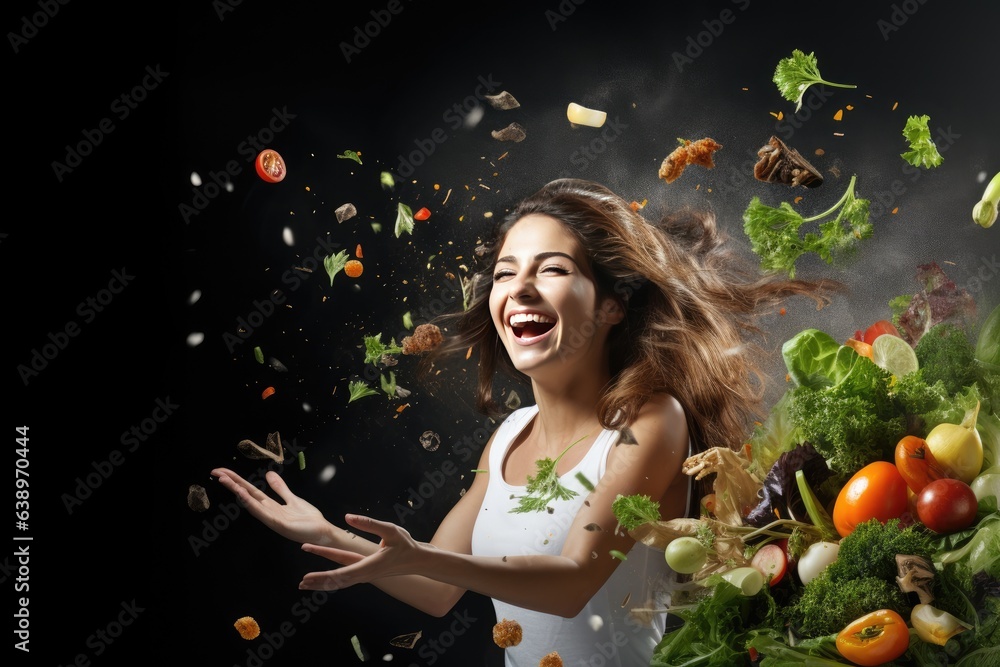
(397, 554)
(296, 519)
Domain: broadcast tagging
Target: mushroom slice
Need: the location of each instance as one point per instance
(779, 163)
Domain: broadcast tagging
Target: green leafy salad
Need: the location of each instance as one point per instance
(841, 412)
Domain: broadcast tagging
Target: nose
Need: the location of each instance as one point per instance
(521, 287)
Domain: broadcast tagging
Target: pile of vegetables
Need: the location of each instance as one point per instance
(861, 524)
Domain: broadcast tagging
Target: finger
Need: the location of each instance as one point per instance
(322, 581)
(330, 553)
(275, 481)
(383, 529)
(243, 489)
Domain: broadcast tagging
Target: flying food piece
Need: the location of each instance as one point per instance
(430, 441)
(689, 152)
(408, 640)
(247, 627)
(425, 338)
(551, 660)
(197, 498)
(779, 163)
(579, 115)
(507, 633)
(271, 450)
(513, 132)
(503, 101)
(345, 212)
(270, 166)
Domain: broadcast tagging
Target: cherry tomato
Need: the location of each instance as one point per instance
(879, 328)
(875, 638)
(877, 491)
(916, 463)
(947, 505)
(771, 560)
(422, 214)
(270, 166)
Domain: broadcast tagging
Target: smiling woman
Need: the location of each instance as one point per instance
(634, 338)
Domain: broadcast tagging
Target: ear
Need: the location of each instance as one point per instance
(611, 311)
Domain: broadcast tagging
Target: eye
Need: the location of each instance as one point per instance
(502, 273)
(556, 269)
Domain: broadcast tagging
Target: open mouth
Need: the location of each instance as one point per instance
(527, 326)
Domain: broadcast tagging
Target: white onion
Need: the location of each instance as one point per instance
(579, 115)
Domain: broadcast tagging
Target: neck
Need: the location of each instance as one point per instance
(566, 413)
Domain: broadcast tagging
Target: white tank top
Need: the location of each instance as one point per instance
(604, 633)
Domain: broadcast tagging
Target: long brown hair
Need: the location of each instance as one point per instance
(690, 303)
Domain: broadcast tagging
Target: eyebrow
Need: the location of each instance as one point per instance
(510, 259)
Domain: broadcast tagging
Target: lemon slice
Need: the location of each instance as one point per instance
(894, 355)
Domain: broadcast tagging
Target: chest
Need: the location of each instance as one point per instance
(525, 453)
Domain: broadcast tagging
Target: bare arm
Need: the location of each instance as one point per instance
(298, 520)
(559, 585)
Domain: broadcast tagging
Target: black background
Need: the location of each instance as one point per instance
(123, 546)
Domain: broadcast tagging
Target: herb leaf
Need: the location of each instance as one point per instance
(404, 219)
(796, 73)
(375, 349)
(389, 386)
(923, 151)
(545, 487)
(774, 232)
(359, 389)
(335, 263)
(351, 155)
(635, 510)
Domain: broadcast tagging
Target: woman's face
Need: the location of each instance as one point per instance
(544, 301)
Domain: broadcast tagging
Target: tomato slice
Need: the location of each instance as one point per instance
(879, 328)
(270, 166)
(874, 639)
(771, 560)
(422, 214)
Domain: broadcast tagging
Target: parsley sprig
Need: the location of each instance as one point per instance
(545, 487)
(923, 151)
(775, 237)
(796, 73)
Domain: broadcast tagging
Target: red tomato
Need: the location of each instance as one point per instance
(270, 166)
(916, 463)
(422, 214)
(771, 560)
(879, 328)
(874, 639)
(877, 491)
(947, 505)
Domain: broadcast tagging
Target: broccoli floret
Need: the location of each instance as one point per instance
(945, 353)
(851, 423)
(870, 550)
(862, 578)
(827, 606)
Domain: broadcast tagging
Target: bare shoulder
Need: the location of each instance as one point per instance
(661, 419)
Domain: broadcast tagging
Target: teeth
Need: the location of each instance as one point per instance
(520, 318)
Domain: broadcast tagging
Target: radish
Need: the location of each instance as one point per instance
(772, 562)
